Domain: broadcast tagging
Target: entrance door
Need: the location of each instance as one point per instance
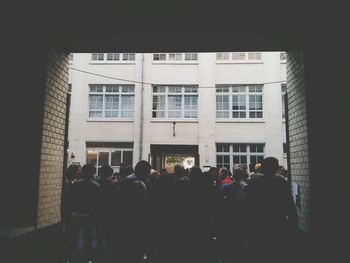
(165, 156)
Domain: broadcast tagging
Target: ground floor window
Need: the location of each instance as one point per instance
(111, 156)
(230, 154)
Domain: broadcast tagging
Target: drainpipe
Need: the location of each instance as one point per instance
(141, 106)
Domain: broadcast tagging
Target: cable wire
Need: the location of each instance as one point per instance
(148, 83)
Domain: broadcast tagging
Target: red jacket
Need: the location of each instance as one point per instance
(227, 180)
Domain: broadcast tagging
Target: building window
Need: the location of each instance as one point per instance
(111, 101)
(191, 56)
(97, 56)
(70, 57)
(175, 102)
(283, 92)
(229, 155)
(112, 56)
(111, 156)
(242, 56)
(283, 56)
(239, 102)
(129, 56)
(175, 56)
(222, 56)
(159, 56)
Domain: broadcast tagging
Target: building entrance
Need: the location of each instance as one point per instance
(166, 156)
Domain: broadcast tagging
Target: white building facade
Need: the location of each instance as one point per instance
(220, 108)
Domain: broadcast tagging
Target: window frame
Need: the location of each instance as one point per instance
(109, 150)
(283, 94)
(120, 59)
(247, 94)
(232, 60)
(105, 93)
(248, 153)
(183, 59)
(167, 93)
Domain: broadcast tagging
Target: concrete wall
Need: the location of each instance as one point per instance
(205, 131)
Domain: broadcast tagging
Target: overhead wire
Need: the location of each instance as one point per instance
(154, 84)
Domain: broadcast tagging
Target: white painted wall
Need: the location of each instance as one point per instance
(205, 131)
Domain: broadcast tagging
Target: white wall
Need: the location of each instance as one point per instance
(204, 131)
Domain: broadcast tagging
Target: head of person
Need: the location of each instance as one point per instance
(154, 174)
(223, 173)
(106, 171)
(195, 175)
(179, 170)
(269, 166)
(257, 168)
(240, 173)
(142, 169)
(73, 172)
(213, 170)
(88, 171)
(125, 170)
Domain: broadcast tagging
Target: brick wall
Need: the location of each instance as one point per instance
(298, 134)
(52, 148)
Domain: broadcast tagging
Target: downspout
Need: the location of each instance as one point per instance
(141, 106)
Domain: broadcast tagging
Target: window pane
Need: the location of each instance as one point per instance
(96, 102)
(116, 158)
(95, 113)
(111, 102)
(174, 102)
(175, 89)
(103, 158)
(158, 89)
(127, 107)
(127, 157)
(91, 157)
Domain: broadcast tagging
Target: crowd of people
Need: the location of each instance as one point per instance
(188, 216)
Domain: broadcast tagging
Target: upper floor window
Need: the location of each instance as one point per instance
(113, 56)
(238, 56)
(283, 92)
(175, 56)
(283, 56)
(111, 101)
(222, 56)
(159, 56)
(70, 57)
(239, 101)
(175, 101)
(191, 56)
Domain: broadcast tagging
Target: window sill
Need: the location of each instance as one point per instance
(174, 120)
(175, 62)
(241, 121)
(109, 120)
(112, 63)
(240, 62)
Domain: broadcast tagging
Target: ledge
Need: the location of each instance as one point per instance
(175, 63)
(110, 120)
(239, 62)
(240, 121)
(11, 232)
(113, 63)
(176, 120)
